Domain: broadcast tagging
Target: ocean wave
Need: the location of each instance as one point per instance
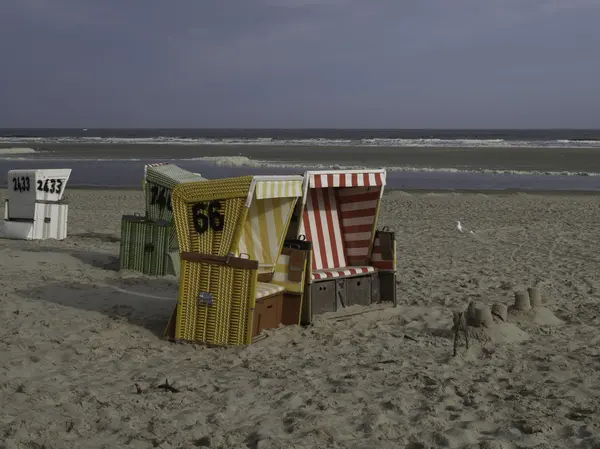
(76, 159)
(375, 142)
(16, 151)
(243, 161)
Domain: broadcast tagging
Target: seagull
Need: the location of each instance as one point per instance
(460, 228)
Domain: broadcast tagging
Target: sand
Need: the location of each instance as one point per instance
(76, 336)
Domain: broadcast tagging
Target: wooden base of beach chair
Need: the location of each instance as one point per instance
(384, 259)
(328, 295)
(360, 289)
(387, 287)
(145, 245)
(292, 309)
(333, 295)
(267, 313)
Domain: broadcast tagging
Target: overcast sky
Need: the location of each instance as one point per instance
(300, 63)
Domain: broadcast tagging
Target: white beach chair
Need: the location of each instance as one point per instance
(35, 208)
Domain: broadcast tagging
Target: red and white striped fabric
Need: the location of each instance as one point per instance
(369, 178)
(358, 212)
(339, 218)
(341, 272)
(321, 225)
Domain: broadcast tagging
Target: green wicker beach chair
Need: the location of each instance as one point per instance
(160, 180)
(146, 245)
(149, 243)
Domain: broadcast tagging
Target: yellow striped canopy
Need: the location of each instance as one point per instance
(270, 206)
(278, 188)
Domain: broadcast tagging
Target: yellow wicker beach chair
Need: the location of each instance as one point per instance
(231, 235)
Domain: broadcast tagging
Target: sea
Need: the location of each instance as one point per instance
(461, 160)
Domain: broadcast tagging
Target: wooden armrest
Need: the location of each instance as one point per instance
(228, 261)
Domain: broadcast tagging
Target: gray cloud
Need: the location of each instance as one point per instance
(344, 63)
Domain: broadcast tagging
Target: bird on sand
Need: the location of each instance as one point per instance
(461, 229)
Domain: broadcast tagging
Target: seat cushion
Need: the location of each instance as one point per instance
(264, 289)
(341, 272)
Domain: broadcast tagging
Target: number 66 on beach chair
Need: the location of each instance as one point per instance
(231, 233)
(35, 208)
(352, 262)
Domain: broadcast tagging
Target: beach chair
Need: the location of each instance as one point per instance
(149, 242)
(35, 208)
(352, 263)
(233, 281)
(160, 179)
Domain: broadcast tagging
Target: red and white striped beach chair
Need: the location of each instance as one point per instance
(352, 262)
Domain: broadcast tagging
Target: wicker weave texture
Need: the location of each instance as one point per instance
(228, 321)
(145, 245)
(220, 207)
(230, 193)
(159, 183)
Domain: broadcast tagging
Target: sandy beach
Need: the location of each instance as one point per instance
(77, 336)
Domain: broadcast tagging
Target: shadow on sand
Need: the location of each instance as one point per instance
(147, 303)
(101, 260)
(103, 237)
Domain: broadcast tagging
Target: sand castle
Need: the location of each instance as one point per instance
(486, 324)
(529, 307)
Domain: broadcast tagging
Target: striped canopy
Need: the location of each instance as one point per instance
(275, 187)
(339, 215)
(270, 203)
(345, 178)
